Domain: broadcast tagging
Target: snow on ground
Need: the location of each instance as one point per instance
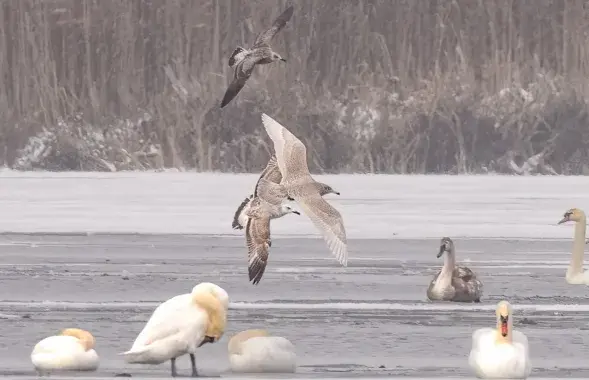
(373, 206)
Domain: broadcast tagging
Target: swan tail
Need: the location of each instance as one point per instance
(237, 223)
(233, 58)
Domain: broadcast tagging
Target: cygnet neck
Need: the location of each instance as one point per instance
(576, 265)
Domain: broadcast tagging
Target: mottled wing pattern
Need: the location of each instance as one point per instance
(243, 71)
(263, 38)
(271, 192)
(257, 237)
(463, 273)
(467, 287)
(271, 173)
(291, 153)
(329, 221)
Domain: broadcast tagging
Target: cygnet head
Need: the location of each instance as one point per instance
(326, 189)
(277, 57)
(86, 339)
(572, 215)
(503, 313)
(236, 340)
(446, 245)
(286, 209)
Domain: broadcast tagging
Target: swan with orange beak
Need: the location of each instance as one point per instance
(502, 352)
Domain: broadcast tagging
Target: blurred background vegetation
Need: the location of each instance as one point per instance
(383, 86)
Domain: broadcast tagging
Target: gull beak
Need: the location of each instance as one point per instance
(296, 212)
(336, 192)
(442, 250)
(564, 220)
(283, 60)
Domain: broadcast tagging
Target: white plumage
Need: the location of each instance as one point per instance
(253, 351)
(180, 325)
(500, 353)
(73, 350)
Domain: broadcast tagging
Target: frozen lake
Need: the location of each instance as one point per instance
(100, 251)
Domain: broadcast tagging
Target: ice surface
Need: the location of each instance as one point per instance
(373, 206)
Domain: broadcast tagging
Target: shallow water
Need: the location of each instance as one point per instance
(71, 263)
(370, 319)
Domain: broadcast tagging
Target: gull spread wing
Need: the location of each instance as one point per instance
(271, 173)
(264, 37)
(291, 153)
(329, 221)
(243, 71)
(257, 237)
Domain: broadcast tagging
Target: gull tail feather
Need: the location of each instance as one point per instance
(236, 223)
(232, 59)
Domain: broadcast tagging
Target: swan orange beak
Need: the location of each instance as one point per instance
(504, 325)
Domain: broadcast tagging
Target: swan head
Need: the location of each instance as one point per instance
(504, 322)
(215, 290)
(326, 189)
(446, 245)
(86, 339)
(207, 296)
(572, 215)
(286, 209)
(235, 342)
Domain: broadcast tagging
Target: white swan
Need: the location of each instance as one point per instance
(72, 350)
(180, 325)
(575, 274)
(500, 353)
(253, 351)
(454, 283)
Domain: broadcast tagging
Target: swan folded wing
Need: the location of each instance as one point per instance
(521, 338)
(329, 221)
(175, 315)
(464, 273)
(483, 337)
(59, 344)
(257, 239)
(285, 145)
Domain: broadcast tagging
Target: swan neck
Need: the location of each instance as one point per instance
(449, 263)
(576, 265)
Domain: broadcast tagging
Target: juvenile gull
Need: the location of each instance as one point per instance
(298, 184)
(261, 53)
(271, 173)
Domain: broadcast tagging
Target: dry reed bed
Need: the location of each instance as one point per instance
(370, 85)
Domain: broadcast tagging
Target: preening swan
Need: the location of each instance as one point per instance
(180, 325)
(575, 274)
(255, 351)
(500, 353)
(454, 283)
(72, 350)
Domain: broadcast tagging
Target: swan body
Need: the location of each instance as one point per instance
(180, 325)
(500, 353)
(253, 351)
(575, 274)
(72, 350)
(454, 283)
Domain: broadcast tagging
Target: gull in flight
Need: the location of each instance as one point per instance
(244, 60)
(297, 183)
